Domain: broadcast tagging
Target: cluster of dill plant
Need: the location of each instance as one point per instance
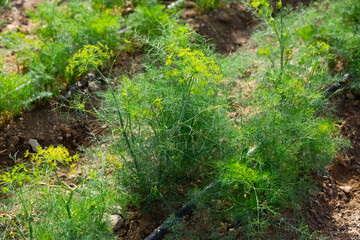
(174, 119)
(51, 206)
(173, 125)
(176, 132)
(41, 62)
(290, 136)
(339, 29)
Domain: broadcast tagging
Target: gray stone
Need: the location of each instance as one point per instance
(116, 222)
(224, 17)
(94, 86)
(34, 145)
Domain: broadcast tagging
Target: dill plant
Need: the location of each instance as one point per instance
(41, 62)
(172, 121)
(148, 19)
(207, 5)
(18, 93)
(288, 136)
(70, 26)
(58, 209)
(339, 28)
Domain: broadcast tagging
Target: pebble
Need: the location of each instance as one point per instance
(346, 189)
(13, 142)
(116, 222)
(34, 144)
(223, 17)
(94, 86)
(232, 233)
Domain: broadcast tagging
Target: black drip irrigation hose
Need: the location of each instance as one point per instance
(332, 89)
(163, 228)
(172, 220)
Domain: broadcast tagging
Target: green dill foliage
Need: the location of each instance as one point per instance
(174, 123)
(70, 26)
(335, 23)
(340, 30)
(4, 3)
(17, 93)
(148, 19)
(59, 209)
(288, 135)
(207, 5)
(41, 62)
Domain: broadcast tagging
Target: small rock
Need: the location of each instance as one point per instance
(116, 222)
(174, 4)
(94, 86)
(313, 193)
(346, 189)
(224, 17)
(191, 13)
(330, 192)
(34, 145)
(240, 40)
(232, 233)
(13, 141)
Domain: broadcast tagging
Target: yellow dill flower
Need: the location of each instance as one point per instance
(158, 103)
(168, 59)
(89, 55)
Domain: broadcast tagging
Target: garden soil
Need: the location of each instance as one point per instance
(43, 124)
(334, 211)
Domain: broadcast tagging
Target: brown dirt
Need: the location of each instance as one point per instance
(335, 212)
(139, 226)
(15, 16)
(46, 126)
(43, 123)
(229, 27)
